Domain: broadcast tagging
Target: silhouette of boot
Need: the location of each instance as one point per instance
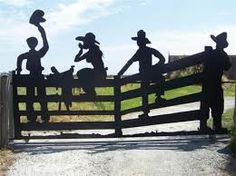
(205, 130)
(217, 126)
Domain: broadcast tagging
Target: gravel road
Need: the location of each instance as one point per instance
(149, 156)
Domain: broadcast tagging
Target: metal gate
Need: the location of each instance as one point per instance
(112, 103)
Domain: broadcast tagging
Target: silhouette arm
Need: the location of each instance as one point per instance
(45, 47)
(80, 57)
(20, 59)
(127, 65)
(159, 56)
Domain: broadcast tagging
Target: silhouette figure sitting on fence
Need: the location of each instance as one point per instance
(89, 76)
(33, 65)
(214, 62)
(147, 70)
(67, 78)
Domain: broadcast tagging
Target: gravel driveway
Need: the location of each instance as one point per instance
(151, 156)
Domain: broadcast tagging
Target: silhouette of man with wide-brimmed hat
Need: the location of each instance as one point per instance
(215, 62)
(147, 70)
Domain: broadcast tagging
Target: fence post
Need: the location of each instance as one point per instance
(235, 108)
(3, 111)
(10, 107)
(1, 115)
(17, 132)
(117, 93)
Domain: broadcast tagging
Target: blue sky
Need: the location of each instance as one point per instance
(173, 26)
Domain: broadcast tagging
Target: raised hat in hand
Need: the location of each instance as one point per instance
(37, 17)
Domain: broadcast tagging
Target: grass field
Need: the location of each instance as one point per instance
(228, 122)
(227, 119)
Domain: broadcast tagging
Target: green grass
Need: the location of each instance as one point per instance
(227, 120)
(229, 89)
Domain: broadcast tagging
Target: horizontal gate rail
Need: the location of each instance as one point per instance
(24, 80)
(67, 126)
(64, 112)
(161, 119)
(171, 102)
(169, 85)
(75, 98)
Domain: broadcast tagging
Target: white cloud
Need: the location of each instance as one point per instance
(14, 32)
(190, 42)
(66, 16)
(17, 3)
(59, 19)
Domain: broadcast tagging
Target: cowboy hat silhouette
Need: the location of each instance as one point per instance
(141, 36)
(220, 39)
(37, 17)
(89, 37)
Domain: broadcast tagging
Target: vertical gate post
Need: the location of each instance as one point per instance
(15, 107)
(1, 114)
(10, 107)
(235, 108)
(3, 111)
(117, 93)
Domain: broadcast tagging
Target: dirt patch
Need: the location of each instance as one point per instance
(6, 159)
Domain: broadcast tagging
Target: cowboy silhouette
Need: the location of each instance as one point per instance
(89, 76)
(215, 62)
(33, 65)
(147, 70)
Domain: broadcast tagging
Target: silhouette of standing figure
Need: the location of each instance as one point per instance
(89, 76)
(147, 70)
(215, 62)
(33, 65)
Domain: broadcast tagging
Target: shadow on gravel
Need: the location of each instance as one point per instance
(231, 165)
(231, 161)
(188, 143)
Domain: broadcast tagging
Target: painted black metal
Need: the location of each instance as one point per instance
(150, 77)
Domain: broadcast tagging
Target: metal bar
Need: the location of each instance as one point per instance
(161, 119)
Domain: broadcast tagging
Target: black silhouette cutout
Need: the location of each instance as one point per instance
(88, 76)
(33, 65)
(147, 70)
(37, 17)
(215, 62)
(152, 81)
(67, 78)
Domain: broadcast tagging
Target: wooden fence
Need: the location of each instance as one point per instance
(116, 99)
(6, 109)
